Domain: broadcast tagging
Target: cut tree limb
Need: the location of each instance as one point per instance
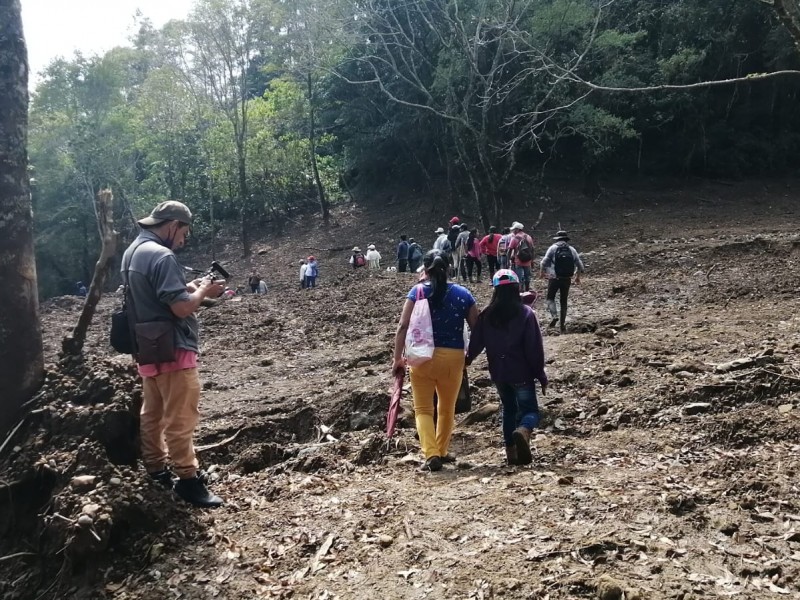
(11, 435)
(218, 444)
(104, 212)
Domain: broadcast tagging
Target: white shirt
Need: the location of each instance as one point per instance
(303, 269)
(439, 244)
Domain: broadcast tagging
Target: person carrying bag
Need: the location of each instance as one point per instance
(449, 305)
(162, 306)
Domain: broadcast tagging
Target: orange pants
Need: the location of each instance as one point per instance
(441, 374)
(168, 419)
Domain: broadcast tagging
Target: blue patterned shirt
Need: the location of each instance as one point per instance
(448, 320)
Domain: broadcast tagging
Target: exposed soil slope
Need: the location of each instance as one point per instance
(666, 466)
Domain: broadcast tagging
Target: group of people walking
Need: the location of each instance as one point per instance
(507, 329)
(512, 249)
(409, 256)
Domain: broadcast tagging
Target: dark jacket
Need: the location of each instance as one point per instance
(402, 250)
(452, 235)
(515, 355)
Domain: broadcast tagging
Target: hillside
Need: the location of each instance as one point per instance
(665, 466)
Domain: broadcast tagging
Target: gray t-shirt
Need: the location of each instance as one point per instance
(461, 240)
(156, 281)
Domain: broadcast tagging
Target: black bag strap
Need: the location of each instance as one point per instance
(126, 288)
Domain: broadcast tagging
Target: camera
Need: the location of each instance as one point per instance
(215, 271)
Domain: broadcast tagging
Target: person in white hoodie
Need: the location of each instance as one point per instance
(303, 269)
(373, 258)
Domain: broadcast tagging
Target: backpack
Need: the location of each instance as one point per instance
(447, 247)
(452, 235)
(360, 260)
(414, 252)
(524, 250)
(564, 262)
(502, 245)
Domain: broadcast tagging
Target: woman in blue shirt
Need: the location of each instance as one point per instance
(510, 332)
(450, 304)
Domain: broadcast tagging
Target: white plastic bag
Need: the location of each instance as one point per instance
(419, 338)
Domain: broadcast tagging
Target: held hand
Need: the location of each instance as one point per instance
(577, 279)
(398, 366)
(212, 288)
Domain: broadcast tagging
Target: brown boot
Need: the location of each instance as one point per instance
(522, 441)
(511, 455)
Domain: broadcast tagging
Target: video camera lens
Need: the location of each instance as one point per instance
(218, 268)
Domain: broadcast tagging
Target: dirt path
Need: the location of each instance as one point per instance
(666, 465)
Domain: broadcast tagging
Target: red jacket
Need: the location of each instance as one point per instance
(489, 244)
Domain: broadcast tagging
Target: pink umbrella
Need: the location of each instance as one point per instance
(394, 403)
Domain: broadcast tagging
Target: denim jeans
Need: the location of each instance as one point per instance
(524, 274)
(520, 408)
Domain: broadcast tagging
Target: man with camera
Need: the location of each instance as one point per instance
(162, 305)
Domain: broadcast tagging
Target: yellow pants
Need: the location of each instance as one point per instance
(168, 418)
(441, 374)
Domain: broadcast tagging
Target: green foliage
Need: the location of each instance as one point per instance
(237, 109)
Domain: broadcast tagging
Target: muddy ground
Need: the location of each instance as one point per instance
(666, 465)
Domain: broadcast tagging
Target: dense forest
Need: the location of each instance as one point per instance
(253, 110)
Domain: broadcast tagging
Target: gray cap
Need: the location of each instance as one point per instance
(170, 210)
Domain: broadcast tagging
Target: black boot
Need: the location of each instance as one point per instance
(195, 492)
(163, 478)
(434, 463)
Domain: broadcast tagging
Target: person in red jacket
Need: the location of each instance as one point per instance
(489, 248)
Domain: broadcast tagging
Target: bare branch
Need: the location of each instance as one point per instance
(753, 77)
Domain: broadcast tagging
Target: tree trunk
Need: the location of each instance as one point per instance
(243, 198)
(21, 357)
(104, 213)
(312, 138)
(212, 219)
